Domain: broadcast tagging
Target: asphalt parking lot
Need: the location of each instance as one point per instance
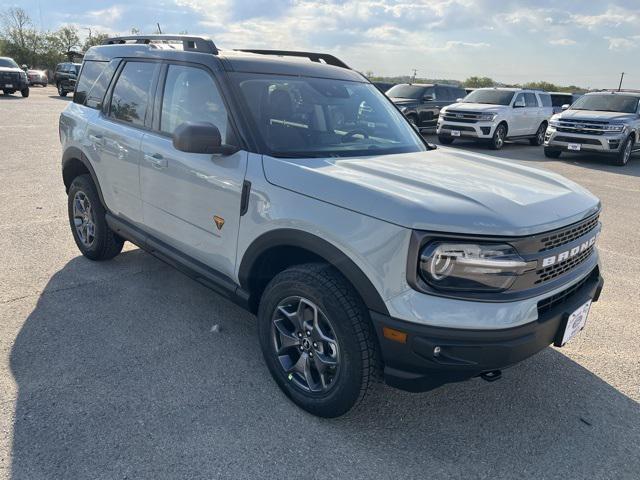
(111, 370)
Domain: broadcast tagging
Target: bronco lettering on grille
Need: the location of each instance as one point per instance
(552, 260)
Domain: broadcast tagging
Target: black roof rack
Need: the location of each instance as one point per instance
(189, 43)
(314, 57)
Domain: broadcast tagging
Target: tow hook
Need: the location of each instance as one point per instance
(491, 376)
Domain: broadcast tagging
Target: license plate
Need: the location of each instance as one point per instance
(455, 133)
(574, 146)
(8, 85)
(576, 322)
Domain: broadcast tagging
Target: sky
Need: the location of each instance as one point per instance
(582, 42)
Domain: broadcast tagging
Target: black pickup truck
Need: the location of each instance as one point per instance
(65, 77)
(12, 78)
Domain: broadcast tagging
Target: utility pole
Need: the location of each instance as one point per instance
(621, 77)
(413, 78)
(159, 29)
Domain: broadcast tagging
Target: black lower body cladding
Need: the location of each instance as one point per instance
(433, 356)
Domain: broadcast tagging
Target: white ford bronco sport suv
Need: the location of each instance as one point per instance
(495, 115)
(363, 251)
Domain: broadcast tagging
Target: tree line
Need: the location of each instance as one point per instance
(22, 41)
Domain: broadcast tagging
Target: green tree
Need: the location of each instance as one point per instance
(93, 40)
(68, 38)
(479, 82)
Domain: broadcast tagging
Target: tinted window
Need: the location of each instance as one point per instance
(407, 91)
(530, 100)
(8, 63)
(315, 117)
(456, 93)
(607, 102)
(99, 88)
(190, 94)
(557, 100)
(131, 93)
(491, 97)
(545, 98)
(90, 73)
(442, 93)
(429, 92)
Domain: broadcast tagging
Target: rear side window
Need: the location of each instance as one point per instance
(442, 93)
(457, 93)
(99, 88)
(545, 98)
(530, 99)
(130, 99)
(90, 72)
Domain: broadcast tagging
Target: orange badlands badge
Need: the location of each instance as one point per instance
(219, 222)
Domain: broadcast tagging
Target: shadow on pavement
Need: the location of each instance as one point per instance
(68, 98)
(123, 378)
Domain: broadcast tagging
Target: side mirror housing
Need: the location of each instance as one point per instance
(200, 137)
(458, 100)
(565, 107)
(427, 98)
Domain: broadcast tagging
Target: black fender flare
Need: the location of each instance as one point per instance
(297, 238)
(74, 154)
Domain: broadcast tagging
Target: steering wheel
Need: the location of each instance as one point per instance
(352, 133)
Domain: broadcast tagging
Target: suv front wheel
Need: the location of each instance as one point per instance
(623, 156)
(497, 141)
(317, 339)
(61, 90)
(93, 236)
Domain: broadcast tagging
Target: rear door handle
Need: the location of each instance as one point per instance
(157, 160)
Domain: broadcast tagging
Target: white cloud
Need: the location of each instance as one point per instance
(612, 17)
(623, 43)
(107, 15)
(564, 42)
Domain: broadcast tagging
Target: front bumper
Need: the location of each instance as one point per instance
(605, 143)
(480, 129)
(466, 353)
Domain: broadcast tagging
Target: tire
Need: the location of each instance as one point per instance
(25, 92)
(499, 135)
(445, 140)
(61, 91)
(552, 152)
(341, 317)
(623, 156)
(96, 242)
(539, 138)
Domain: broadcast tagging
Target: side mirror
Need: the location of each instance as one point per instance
(427, 98)
(519, 103)
(458, 100)
(200, 137)
(565, 107)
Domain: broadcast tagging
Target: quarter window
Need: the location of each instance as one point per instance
(190, 94)
(91, 70)
(131, 92)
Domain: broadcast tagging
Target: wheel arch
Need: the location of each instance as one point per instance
(279, 249)
(506, 125)
(74, 163)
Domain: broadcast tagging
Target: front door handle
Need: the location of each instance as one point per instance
(96, 141)
(157, 160)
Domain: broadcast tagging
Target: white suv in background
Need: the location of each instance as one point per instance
(495, 115)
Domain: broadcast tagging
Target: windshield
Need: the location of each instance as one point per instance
(607, 102)
(491, 97)
(314, 117)
(406, 91)
(7, 62)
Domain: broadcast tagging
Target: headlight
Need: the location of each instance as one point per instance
(554, 123)
(615, 127)
(470, 267)
(488, 116)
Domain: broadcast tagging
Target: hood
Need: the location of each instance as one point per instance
(595, 115)
(476, 107)
(443, 190)
(11, 69)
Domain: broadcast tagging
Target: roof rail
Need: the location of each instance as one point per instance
(189, 43)
(314, 57)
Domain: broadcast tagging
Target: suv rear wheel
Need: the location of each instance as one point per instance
(93, 236)
(61, 91)
(497, 141)
(539, 138)
(317, 339)
(623, 156)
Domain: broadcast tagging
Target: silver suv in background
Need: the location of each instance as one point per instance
(599, 122)
(495, 115)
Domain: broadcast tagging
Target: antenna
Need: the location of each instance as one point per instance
(621, 77)
(159, 29)
(413, 77)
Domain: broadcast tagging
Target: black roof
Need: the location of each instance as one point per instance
(189, 48)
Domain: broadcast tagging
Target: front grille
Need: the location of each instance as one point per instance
(459, 127)
(569, 234)
(561, 297)
(548, 273)
(583, 141)
(9, 77)
(460, 116)
(587, 127)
